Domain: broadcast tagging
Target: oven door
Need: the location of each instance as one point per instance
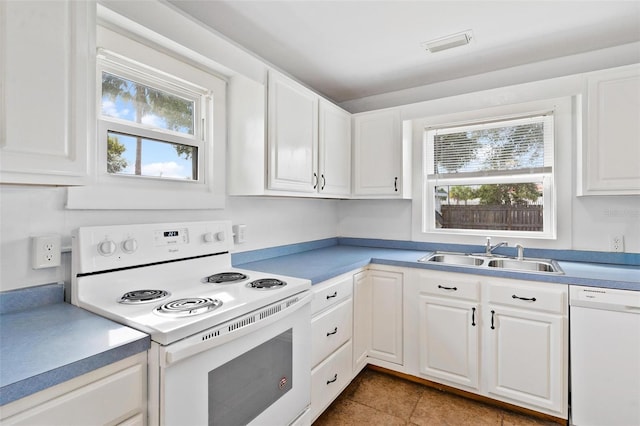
(258, 374)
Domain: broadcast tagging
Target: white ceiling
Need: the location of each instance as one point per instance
(351, 49)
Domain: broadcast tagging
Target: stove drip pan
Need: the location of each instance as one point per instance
(226, 277)
(137, 297)
(188, 306)
(267, 284)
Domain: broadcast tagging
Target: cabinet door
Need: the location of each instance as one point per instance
(378, 154)
(334, 150)
(386, 316)
(525, 357)
(48, 81)
(612, 149)
(361, 320)
(448, 340)
(293, 136)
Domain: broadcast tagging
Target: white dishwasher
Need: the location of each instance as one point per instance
(605, 356)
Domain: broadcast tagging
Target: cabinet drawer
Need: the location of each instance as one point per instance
(445, 284)
(104, 401)
(329, 330)
(330, 292)
(541, 297)
(329, 379)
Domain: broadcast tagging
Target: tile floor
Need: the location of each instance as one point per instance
(375, 398)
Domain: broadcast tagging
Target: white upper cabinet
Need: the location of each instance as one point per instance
(307, 148)
(334, 159)
(47, 87)
(611, 147)
(378, 167)
(292, 136)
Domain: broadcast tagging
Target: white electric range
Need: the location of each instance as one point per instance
(229, 346)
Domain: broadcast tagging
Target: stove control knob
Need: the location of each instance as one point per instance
(107, 248)
(210, 237)
(129, 245)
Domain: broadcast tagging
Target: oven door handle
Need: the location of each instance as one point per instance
(200, 342)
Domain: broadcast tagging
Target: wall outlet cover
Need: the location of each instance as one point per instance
(45, 251)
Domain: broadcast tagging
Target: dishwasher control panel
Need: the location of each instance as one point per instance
(604, 298)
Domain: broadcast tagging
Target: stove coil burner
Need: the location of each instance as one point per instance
(267, 284)
(143, 296)
(188, 306)
(226, 277)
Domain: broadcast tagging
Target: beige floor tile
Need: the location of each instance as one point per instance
(375, 398)
(387, 394)
(440, 408)
(351, 413)
(514, 419)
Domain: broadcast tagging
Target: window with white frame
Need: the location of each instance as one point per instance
(492, 175)
(151, 124)
(161, 130)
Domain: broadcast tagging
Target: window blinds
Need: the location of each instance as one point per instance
(507, 147)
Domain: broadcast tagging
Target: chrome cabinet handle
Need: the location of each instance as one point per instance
(395, 184)
(529, 299)
(335, 294)
(335, 377)
(315, 180)
(335, 330)
(324, 181)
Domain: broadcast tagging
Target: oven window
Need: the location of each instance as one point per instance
(244, 387)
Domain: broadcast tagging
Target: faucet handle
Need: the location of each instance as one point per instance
(520, 248)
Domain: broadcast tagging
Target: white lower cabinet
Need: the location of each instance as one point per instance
(527, 345)
(378, 317)
(361, 320)
(501, 338)
(331, 336)
(112, 395)
(329, 378)
(449, 328)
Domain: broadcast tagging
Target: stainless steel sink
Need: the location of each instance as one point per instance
(526, 265)
(454, 259)
(545, 266)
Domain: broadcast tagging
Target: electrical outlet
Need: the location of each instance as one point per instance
(45, 251)
(616, 243)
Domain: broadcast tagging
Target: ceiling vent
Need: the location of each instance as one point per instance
(448, 42)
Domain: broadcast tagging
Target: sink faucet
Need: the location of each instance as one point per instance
(489, 248)
(520, 248)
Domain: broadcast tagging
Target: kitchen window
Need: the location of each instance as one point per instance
(151, 124)
(161, 130)
(493, 176)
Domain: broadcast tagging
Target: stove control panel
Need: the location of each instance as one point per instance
(100, 248)
(168, 237)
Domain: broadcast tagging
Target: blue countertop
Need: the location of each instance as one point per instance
(320, 264)
(47, 341)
